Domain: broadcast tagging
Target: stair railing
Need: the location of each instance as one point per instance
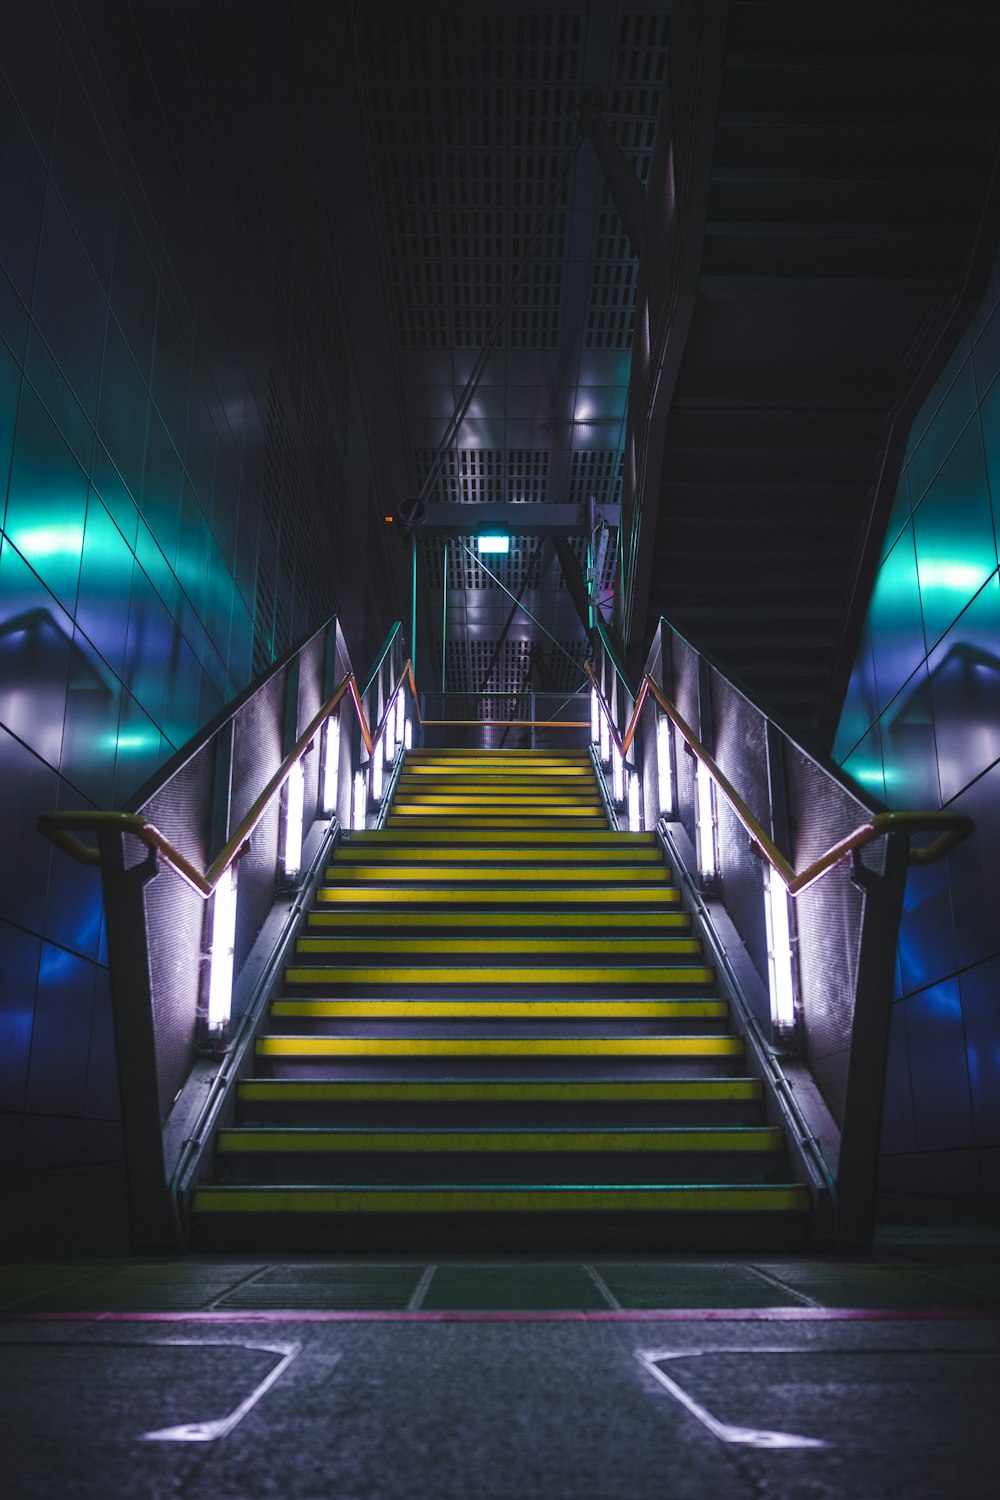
(267, 784)
(816, 926)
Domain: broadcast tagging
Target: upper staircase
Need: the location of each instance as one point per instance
(498, 1032)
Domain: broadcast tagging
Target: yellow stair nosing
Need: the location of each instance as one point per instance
(788, 1198)
(539, 1139)
(633, 946)
(609, 1091)
(462, 1009)
(512, 974)
(498, 1046)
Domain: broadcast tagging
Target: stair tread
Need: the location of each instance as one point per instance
(429, 1025)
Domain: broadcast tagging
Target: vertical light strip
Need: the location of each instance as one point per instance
(331, 765)
(604, 738)
(294, 799)
(617, 776)
(634, 801)
(779, 949)
(376, 765)
(360, 811)
(220, 973)
(664, 780)
(708, 863)
(408, 734)
(595, 717)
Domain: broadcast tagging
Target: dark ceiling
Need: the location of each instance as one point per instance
(821, 218)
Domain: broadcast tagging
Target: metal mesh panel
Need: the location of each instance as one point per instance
(175, 917)
(257, 751)
(828, 917)
(741, 751)
(545, 708)
(683, 688)
(311, 662)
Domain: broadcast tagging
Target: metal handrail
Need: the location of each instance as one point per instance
(951, 828)
(57, 827)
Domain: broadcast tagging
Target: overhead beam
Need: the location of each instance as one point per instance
(514, 518)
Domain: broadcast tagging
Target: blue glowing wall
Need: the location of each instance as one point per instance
(921, 728)
(174, 432)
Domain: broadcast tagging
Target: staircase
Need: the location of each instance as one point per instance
(498, 1033)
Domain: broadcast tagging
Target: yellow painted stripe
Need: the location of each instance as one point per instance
(542, 869)
(499, 1046)
(513, 1091)
(508, 1010)
(501, 797)
(347, 854)
(515, 921)
(710, 1138)
(451, 822)
(601, 838)
(412, 895)
(781, 1198)
(638, 948)
(510, 807)
(515, 974)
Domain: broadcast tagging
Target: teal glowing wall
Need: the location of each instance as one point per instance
(175, 396)
(921, 728)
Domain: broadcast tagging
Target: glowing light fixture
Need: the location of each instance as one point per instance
(664, 781)
(295, 788)
(493, 542)
(617, 776)
(399, 727)
(375, 766)
(708, 860)
(634, 805)
(779, 949)
(604, 738)
(595, 717)
(331, 765)
(408, 734)
(360, 809)
(220, 972)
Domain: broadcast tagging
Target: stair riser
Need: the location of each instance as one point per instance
(443, 1069)
(472, 1116)
(433, 1170)
(302, 1026)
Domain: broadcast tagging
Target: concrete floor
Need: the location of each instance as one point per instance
(363, 1379)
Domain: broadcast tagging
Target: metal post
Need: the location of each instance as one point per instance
(861, 1130)
(151, 1223)
(413, 605)
(444, 613)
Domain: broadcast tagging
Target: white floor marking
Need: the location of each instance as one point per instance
(790, 1291)
(603, 1288)
(209, 1432)
(416, 1301)
(750, 1437)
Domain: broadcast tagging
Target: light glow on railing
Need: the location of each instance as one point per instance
(595, 717)
(604, 739)
(617, 777)
(295, 788)
(399, 720)
(634, 801)
(708, 861)
(664, 780)
(359, 812)
(331, 764)
(376, 765)
(779, 950)
(408, 734)
(220, 968)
